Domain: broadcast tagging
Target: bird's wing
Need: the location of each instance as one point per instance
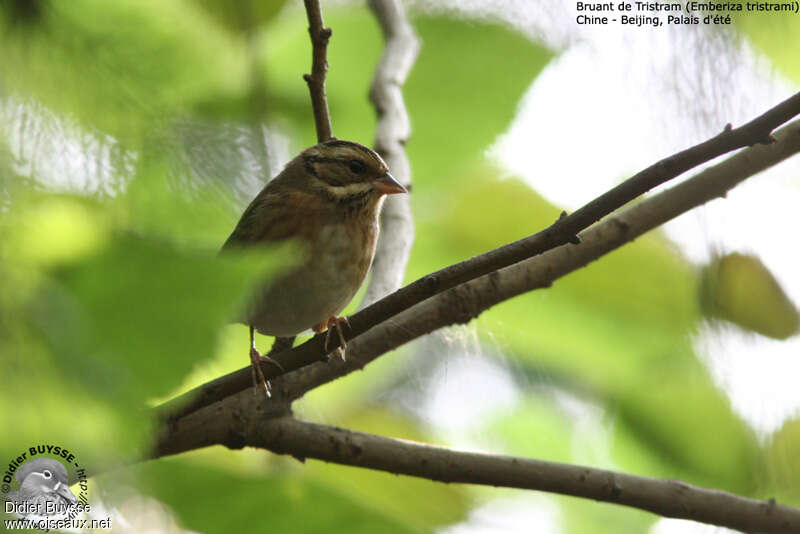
(278, 213)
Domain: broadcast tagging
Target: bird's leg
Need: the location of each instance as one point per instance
(255, 359)
(331, 323)
(258, 374)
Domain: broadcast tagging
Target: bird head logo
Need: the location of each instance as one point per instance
(44, 489)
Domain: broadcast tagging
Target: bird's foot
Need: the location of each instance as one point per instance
(258, 375)
(331, 324)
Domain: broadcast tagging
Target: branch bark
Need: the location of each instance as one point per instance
(561, 232)
(236, 423)
(668, 498)
(394, 130)
(319, 68)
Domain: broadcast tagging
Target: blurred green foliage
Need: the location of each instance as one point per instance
(433, 504)
(739, 288)
(111, 295)
(120, 66)
(217, 500)
(774, 34)
(783, 464)
(244, 16)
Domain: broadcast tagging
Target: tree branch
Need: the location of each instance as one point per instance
(244, 419)
(233, 423)
(394, 130)
(561, 232)
(319, 68)
(668, 498)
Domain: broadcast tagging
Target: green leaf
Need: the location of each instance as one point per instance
(588, 517)
(39, 397)
(242, 15)
(60, 230)
(434, 504)
(775, 34)
(43, 405)
(208, 499)
(783, 464)
(138, 301)
(123, 65)
(739, 288)
(534, 429)
(178, 208)
(463, 92)
(682, 417)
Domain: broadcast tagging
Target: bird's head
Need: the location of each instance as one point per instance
(44, 476)
(345, 172)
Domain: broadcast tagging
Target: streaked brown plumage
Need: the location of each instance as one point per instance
(327, 200)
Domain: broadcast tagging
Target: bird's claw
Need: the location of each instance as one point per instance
(258, 375)
(256, 358)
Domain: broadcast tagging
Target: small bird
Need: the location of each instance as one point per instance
(327, 200)
(42, 481)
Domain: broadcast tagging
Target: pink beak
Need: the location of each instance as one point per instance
(387, 185)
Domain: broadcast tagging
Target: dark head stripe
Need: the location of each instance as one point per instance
(361, 148)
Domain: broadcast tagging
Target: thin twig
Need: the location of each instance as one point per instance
(393, 131)
(561, 232)
(319, 68)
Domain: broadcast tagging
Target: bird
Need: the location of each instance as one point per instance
(327, 200)
(42, 481)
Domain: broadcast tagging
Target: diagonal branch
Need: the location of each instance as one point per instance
(236, 423)
(668, 498)
(394, 129)
(319, 68)
(467, 301)
(244, 419)
(559, 233)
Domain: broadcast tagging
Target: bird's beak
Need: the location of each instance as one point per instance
(64, 491)
(387, 185)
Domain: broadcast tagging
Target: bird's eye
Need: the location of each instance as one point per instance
(47, 474)
(356, 166)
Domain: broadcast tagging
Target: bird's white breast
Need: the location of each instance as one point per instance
(321, 287)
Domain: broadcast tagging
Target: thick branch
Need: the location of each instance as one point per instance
(319, 68)
(394, 129)
(561, 232)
